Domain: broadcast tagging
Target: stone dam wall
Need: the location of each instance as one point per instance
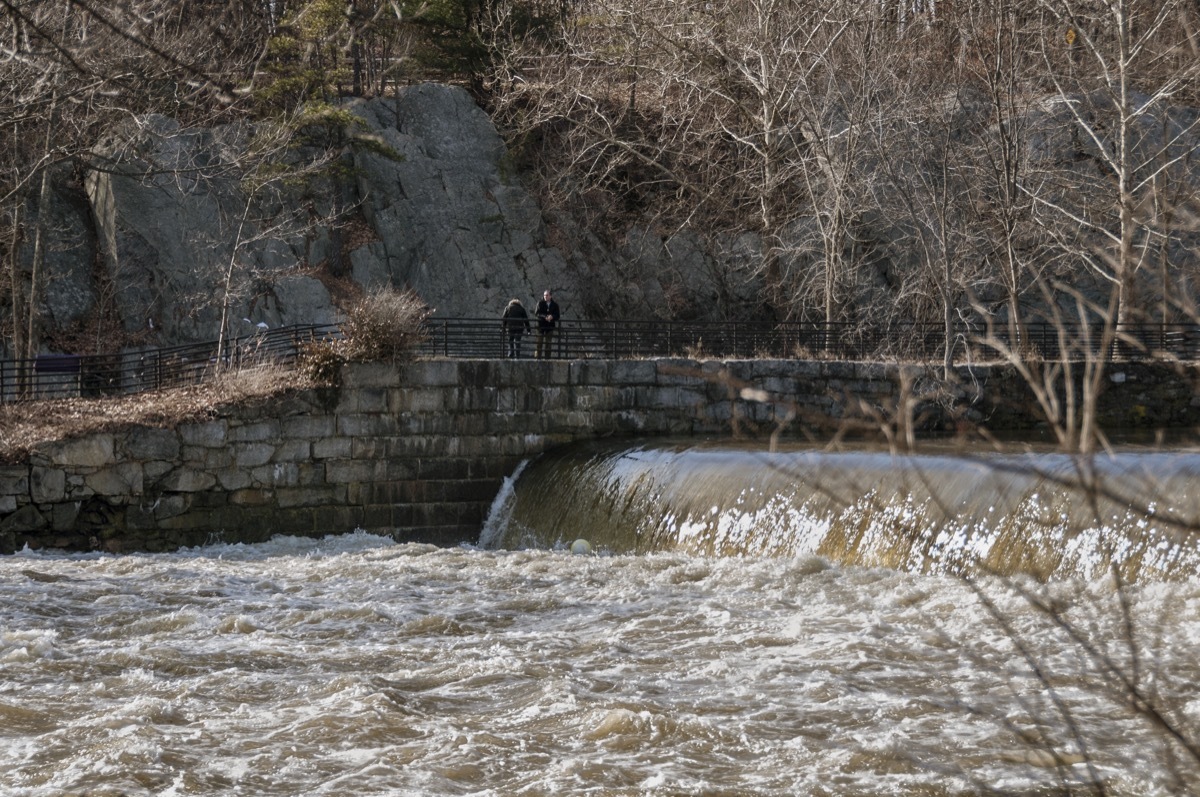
(419, 450)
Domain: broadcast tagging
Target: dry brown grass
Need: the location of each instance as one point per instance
(25, 426)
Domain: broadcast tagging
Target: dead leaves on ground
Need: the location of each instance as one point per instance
(26, 425)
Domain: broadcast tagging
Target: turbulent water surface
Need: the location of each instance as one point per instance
(357, 666)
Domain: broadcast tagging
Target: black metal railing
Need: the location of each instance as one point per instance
(94, 375)
(480, 337)
(914, 341)
(68, 375)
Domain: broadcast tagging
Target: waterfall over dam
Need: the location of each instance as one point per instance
(946, 512)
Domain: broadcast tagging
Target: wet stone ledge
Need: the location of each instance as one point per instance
(419, 450)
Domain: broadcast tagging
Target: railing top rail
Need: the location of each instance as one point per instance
(285, 336)
(485, 337)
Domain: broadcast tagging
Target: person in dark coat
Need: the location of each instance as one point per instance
(547, 316)
(516, 323)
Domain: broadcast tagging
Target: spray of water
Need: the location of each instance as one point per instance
(501, 510)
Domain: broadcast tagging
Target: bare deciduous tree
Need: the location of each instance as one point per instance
(68, 70)
(1116, 89)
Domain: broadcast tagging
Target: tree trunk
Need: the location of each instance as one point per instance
(37, 266)
(33, 333)
(17, 285)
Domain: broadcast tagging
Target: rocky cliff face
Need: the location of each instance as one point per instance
(168, 232)
(172, 229)
(446, 219)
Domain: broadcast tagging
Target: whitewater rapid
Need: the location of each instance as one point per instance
(356, 665)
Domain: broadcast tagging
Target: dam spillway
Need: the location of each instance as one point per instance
(418, 450)
(1129, 512)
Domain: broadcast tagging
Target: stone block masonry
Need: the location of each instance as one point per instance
(419, 450)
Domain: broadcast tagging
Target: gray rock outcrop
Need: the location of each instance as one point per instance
(171, 229)
(449, 224)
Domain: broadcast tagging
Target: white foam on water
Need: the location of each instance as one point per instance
(356, 665)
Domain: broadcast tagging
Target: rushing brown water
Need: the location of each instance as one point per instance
(738, 632)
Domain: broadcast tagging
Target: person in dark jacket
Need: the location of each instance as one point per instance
(547, 316)
(516, 324)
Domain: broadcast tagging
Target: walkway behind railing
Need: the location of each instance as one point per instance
(68, 375)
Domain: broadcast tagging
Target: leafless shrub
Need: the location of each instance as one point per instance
(321, 361)
(385, 325)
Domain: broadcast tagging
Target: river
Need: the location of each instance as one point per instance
(730, 633)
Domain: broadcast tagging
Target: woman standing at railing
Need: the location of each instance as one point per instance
(516, 324)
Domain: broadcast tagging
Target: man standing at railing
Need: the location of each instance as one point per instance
(547, 316)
